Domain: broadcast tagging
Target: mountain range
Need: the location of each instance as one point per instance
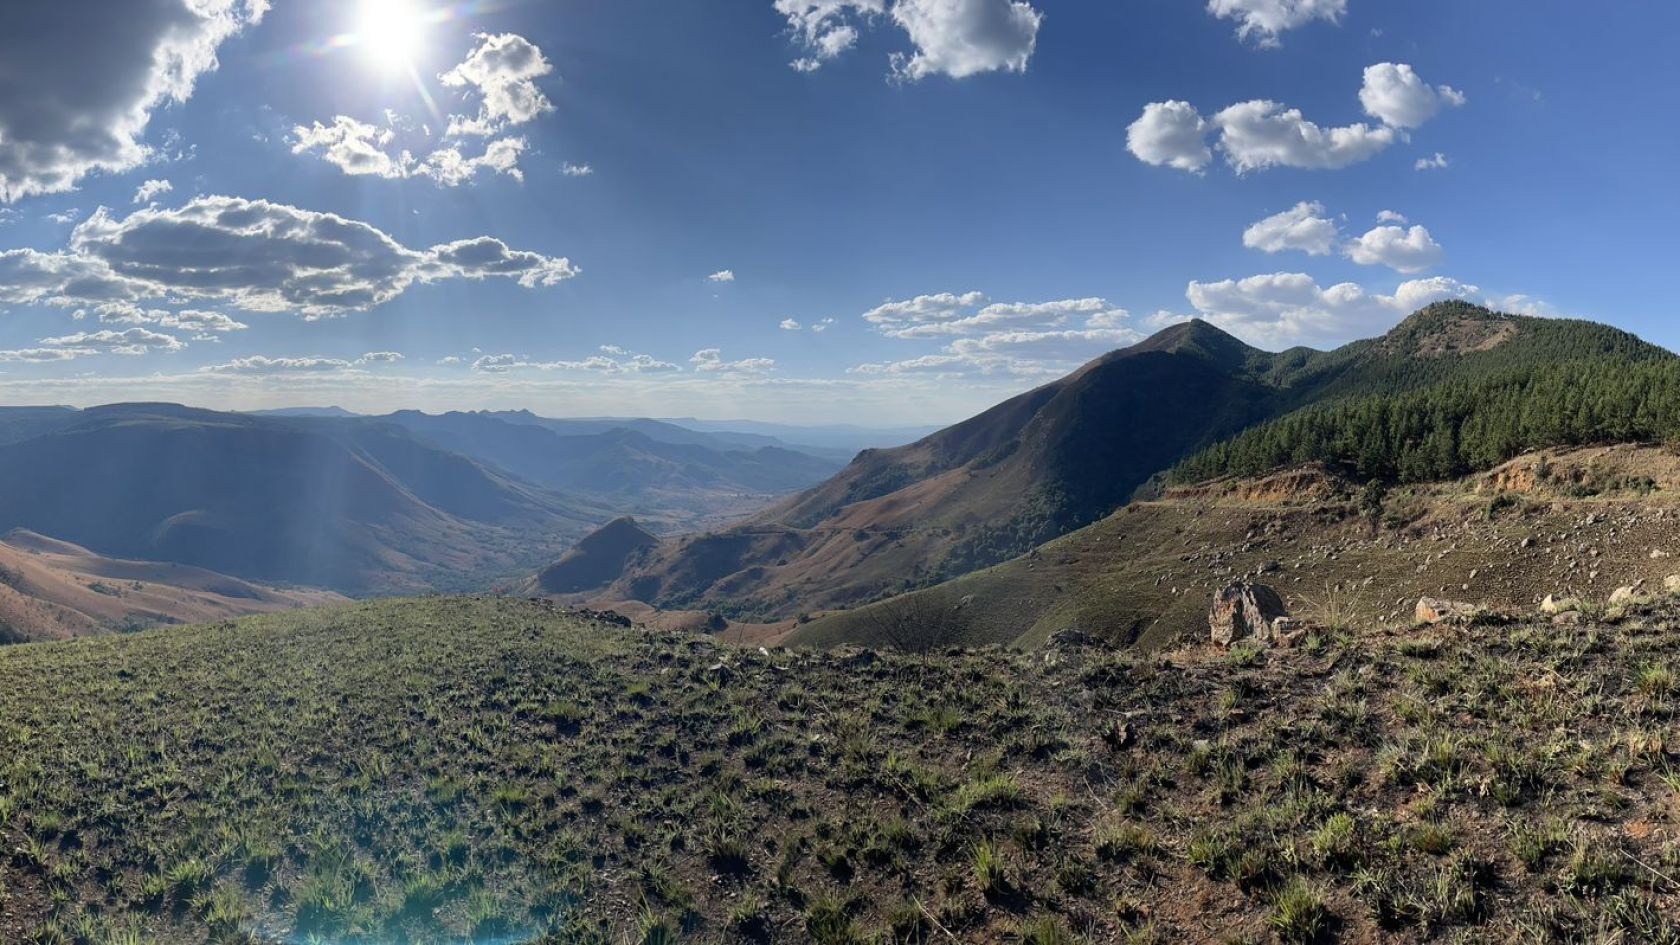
(1066, 454)
(401, 503)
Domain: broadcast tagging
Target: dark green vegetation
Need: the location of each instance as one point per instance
(445, 769)
(1453, 388)
(1456, 427)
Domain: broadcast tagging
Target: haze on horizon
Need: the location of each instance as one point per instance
(804, 211)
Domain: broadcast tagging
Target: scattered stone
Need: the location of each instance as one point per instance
(1671, 584)
(1244, 611)
(1070, 638)
(1434, 610)
(1626, 594)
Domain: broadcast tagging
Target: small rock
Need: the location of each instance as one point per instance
(1626, 594)
(1435, 610)
(1671, 584)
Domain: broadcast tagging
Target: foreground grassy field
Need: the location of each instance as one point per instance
(496, 771)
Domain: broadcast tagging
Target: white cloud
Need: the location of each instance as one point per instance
(1390, 216)
(722, 275)
(449, 360)
(263, 364)
(1286, 308)
(44, 355)
(789, 324)
(1020, 338)
(193, 320)
(500, 72)
(633, 364)
(380, 357)
(821, 325)
(1260, 134)
(710, 360)
(1400, 249)
(1171, 134)
(131, 341)
(360, 149)
(82, 85)
(64, 216)
(151, 190)
(960, 38)
(576, 170)
(503, 70)
(954, 38)
(1431, 163)
(1394, 94)
(255, 255)
(1303, 227)
(1263, 21)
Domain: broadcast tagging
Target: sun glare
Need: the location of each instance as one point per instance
(391, 32)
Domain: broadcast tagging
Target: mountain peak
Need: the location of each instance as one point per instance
(1450, 327)
(1199, 338)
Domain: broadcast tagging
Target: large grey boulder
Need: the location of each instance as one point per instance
(1245, 611)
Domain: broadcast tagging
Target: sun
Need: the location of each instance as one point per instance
(390, 32)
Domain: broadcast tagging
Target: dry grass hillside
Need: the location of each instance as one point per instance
(52, 589)
(453, 770)
(1574, 523)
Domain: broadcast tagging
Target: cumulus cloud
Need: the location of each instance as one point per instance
(502, 69)
(151, 190)
(500, 73)
(1022, 338)
(722, 275)
(1302, 227)
(1264, 21)
(131, 341)
(789, 324)
(255, 255)
(1173, 134)
(80, 90)
(358, 148)
(954, 38)
(1398, 248)
(1286, 308)
(380, 357)
(1395, 95)
(1260, 134)
(1305, 228)
(1431, 163)
(576, 170)
(192, 320)
(711, 360)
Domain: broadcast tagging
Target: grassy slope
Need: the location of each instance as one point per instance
(1145, 575)
(51, 590)
(424, 770)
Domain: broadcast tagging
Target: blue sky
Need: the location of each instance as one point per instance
(943, 201)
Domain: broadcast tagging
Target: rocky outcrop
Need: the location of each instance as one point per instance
(1246, 611)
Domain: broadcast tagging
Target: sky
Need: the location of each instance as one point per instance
(871, 211)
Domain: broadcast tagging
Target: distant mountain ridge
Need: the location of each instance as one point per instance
(358, 507)
(1063, 455)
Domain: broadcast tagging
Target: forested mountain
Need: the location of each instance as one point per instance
(1452, 388)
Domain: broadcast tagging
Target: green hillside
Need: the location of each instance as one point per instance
(496, 771)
